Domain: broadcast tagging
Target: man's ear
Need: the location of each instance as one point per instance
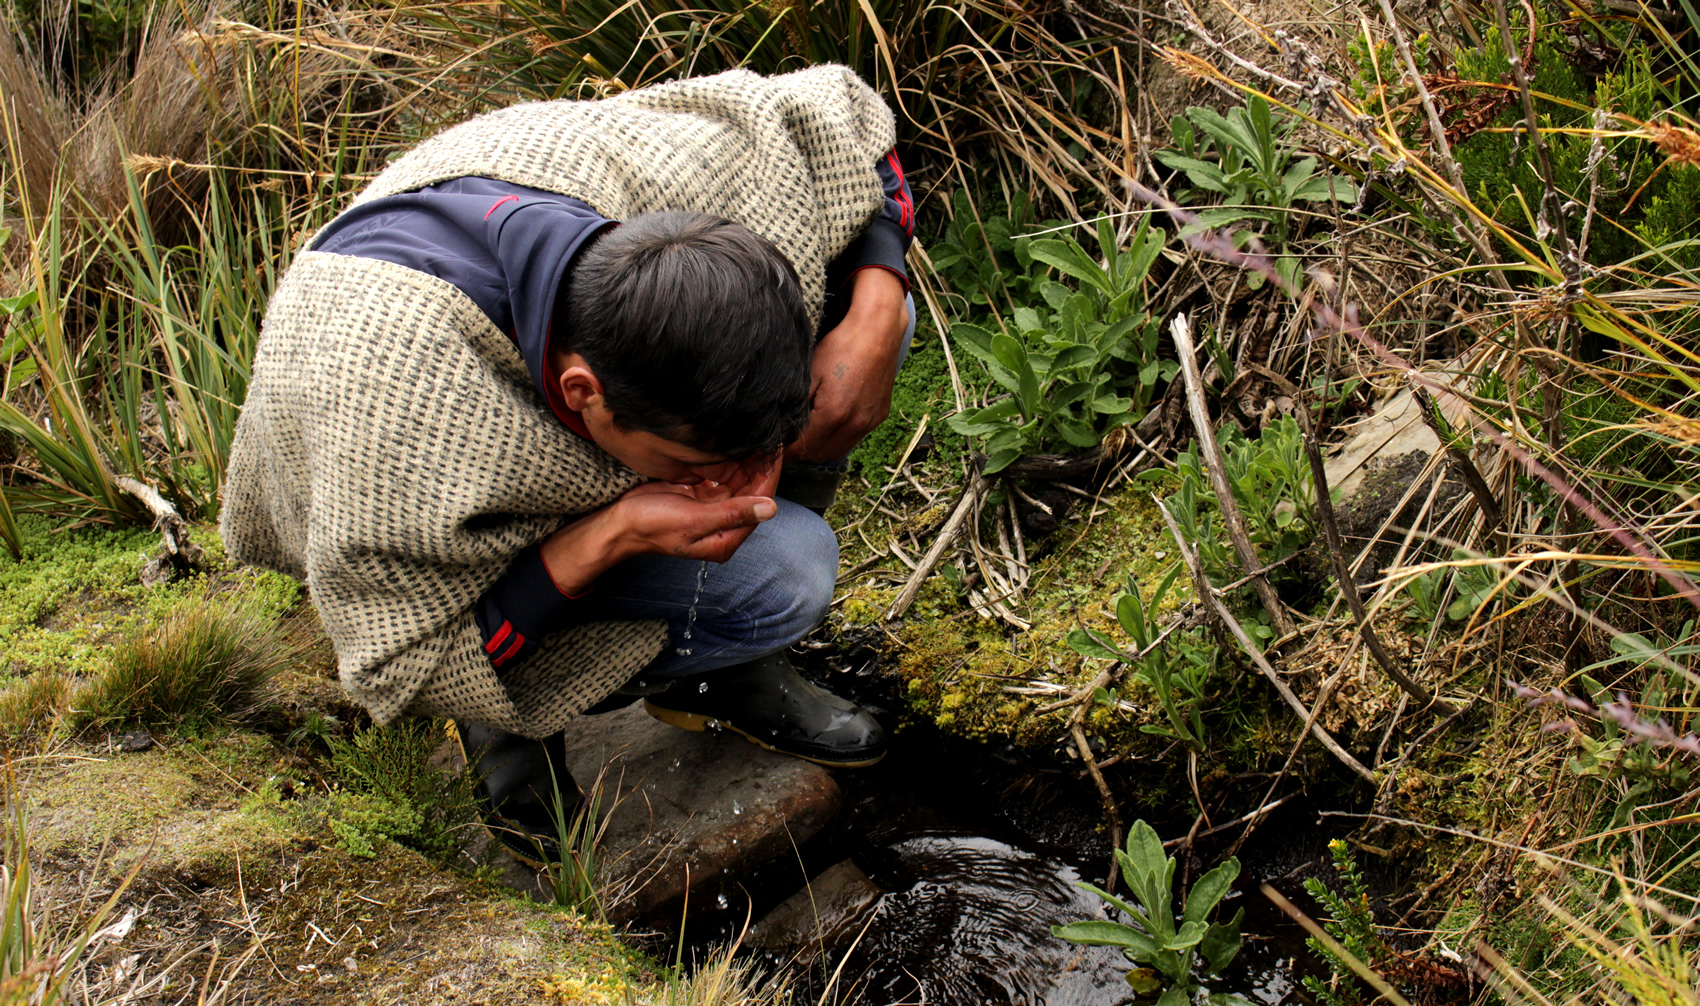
(580, 387)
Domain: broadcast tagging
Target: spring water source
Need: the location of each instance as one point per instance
(965, 856)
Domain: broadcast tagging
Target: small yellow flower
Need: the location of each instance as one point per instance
(1337, 845)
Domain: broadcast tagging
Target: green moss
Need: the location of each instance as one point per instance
(922, 389)
(76, 592)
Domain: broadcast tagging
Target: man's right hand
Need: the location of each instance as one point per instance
(701, 521)
(688, 521)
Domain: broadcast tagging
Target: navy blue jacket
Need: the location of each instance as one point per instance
(507, 247)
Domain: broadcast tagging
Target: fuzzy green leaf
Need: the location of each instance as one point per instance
(1208, 890)
(1094, 933)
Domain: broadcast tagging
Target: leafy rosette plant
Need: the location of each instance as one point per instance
(1079, 365)
(1244, 161)
(1175, 947)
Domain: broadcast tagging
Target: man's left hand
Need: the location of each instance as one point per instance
(854, 367)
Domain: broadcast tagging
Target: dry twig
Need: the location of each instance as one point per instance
(1211, 453)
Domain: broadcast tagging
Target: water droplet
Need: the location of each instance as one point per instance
(702, 687)
(682, 651)
(691, 617)
(722, 902)
(737, 808)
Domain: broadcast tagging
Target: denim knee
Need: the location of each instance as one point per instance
(804, 557)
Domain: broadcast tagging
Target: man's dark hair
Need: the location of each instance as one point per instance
(696, 328)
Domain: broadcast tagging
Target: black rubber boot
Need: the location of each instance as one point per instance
(516, 791)
(773, 706)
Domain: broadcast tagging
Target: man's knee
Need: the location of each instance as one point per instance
(806, 565)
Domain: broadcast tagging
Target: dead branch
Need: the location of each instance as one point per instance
(178, 555)
(1211, 451)
(1258, 660)
(966, 505)
(1348, 586)
(1465, 468)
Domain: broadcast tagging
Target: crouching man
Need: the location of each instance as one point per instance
(523, 415)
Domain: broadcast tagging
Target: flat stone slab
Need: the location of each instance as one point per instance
(821, 917)
(690, 809)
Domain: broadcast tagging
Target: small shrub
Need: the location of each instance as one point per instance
(409, 800)
(207, 662)
(1350, 921)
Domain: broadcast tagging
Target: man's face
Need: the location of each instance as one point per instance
(652, 456)
(645, 453)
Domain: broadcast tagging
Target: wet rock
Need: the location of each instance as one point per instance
(134, 740)
(709, 807)
(819, 918)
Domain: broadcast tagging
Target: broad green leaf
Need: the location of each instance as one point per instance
(1208, 890)
(1070, 259)
(1031, 403)
(1009, 352)
(972, 338)
(1111, 405)
(1003, 457)
(1094, 933)
(1131, 911)
(1070, 394)
(1181, 130)
(979, 422)
(22, 302)
(1327, 188)
(1221, 216)
(1073, 357)
(1088, 643)
(1055, 294)
(1175, 995)
(1027, 320)
(1296, 174)
(1187, 937)
(1145, 849)
(1221, 943)
(1131, 613)
(1075, 432)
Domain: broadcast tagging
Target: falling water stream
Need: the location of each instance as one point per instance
(691, 616)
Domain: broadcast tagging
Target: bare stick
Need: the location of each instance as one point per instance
(1212, 454)
(1461, 463)
(1251, 818)
(1263, 666)
(966, 505)
(1348, 586)
(179, 553)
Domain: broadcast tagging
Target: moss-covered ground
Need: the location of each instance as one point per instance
(258, 869)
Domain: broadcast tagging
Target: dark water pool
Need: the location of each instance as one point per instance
(963, 856)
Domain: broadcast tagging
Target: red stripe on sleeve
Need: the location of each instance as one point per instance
(500, 635)
(519, 641)
(903, 198)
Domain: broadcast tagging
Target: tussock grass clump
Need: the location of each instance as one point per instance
(35, 702)
(207, 662)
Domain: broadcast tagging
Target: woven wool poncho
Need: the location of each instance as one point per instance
(393, 451)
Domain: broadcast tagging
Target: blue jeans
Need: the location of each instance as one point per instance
(773, 591)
